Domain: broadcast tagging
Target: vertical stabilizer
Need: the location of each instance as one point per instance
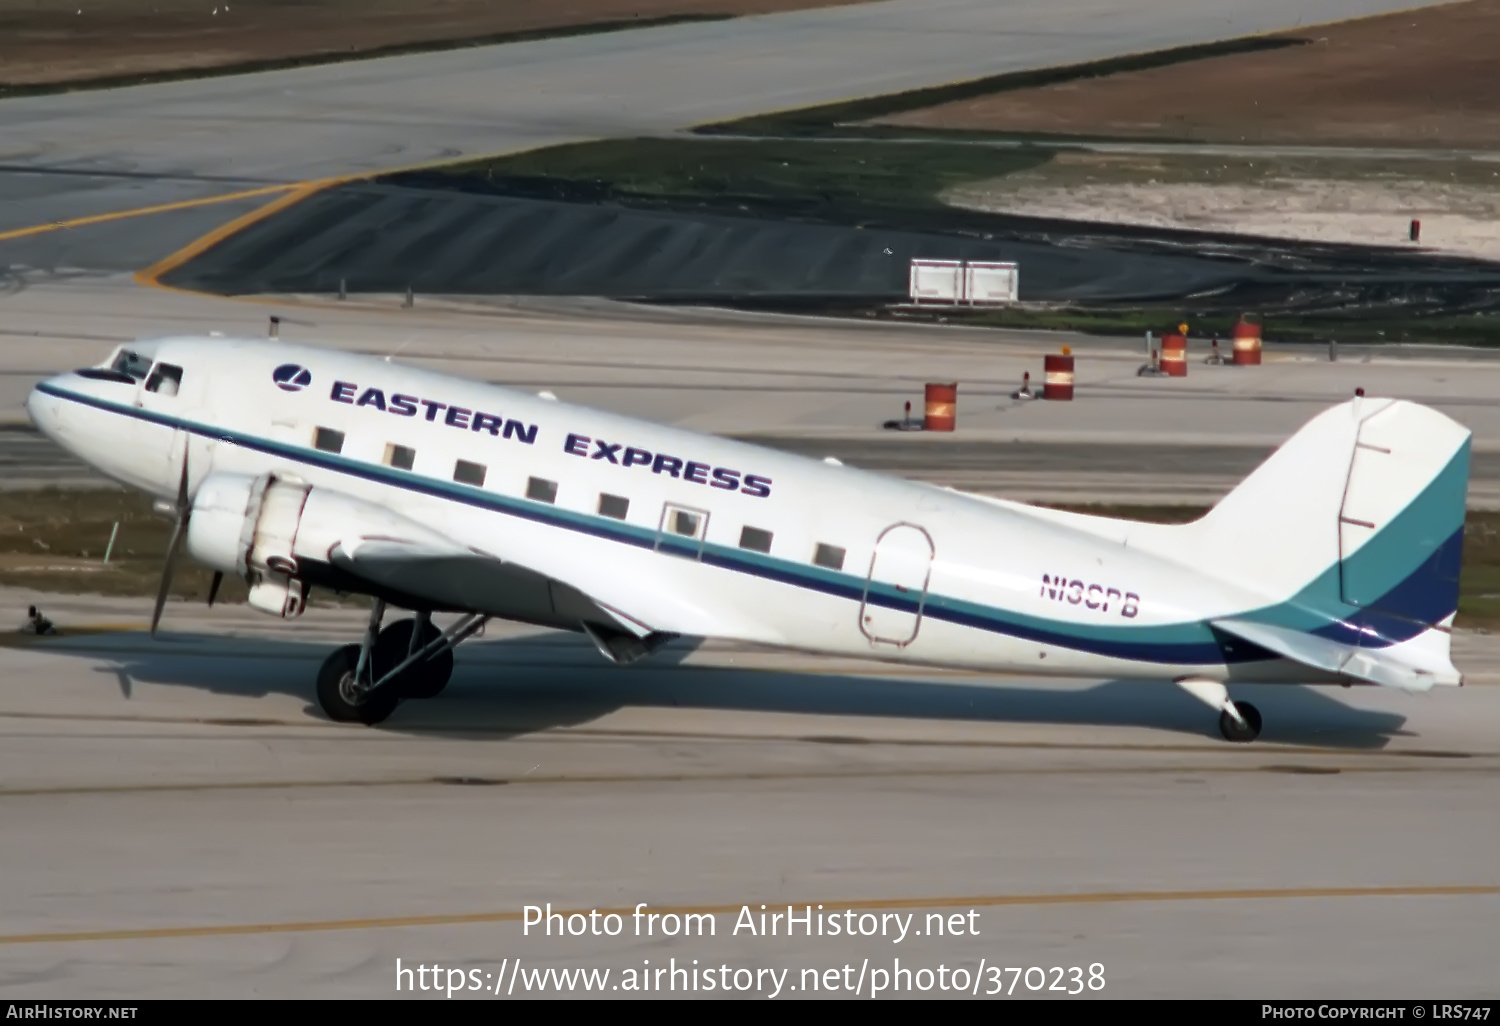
(1352, 532)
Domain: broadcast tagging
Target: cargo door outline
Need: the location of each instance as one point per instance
(900, 571)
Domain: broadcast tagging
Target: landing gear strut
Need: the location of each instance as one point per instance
(1244, 728)
(409, 659)
(1238, 721)
(399, 642)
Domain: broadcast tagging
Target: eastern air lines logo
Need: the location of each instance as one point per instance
(291, 378)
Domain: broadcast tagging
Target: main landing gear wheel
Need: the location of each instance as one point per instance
(339, 698)
(424, 680)
(1234, 730)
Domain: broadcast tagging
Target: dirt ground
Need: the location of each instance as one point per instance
(1428, 78)
(56, 41)
(1355, 200)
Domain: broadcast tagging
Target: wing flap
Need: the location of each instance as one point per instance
(455, 576)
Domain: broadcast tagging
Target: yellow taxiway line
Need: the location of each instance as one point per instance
(292, 194)
(160, 208)
(873, 904)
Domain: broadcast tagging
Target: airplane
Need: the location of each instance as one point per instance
(295, 467)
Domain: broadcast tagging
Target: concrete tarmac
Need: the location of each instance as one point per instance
(178, 821)
(94, 153)
(821, 387)
(181, 822)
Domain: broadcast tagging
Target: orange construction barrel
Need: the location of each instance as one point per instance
(1174, 355)
(1246, 344)
(942, 408)
(1057, 381)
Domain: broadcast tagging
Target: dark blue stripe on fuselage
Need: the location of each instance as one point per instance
(1221, 649)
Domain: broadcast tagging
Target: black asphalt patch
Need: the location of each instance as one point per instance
(386, 238)
(409, 233)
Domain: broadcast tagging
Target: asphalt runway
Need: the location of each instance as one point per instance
(180, 822)
(90, 155)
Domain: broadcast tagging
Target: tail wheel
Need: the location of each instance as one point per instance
(338, 697)
(424, 680)
(1234, 730)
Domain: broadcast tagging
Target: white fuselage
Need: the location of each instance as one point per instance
(783, 550)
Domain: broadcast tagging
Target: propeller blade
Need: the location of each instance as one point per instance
(213, 589)
(184, 503)
(179, 528)
(173, 547)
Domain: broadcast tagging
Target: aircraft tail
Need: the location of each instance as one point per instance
(1353, 533)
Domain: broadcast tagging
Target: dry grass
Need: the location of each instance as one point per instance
(54, 540)
(1429, 77)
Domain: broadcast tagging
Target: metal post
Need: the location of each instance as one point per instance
(362, 669)
(418, 629)
(1148, 344)
(459, 632)
(1333, 350)
(275, 329)
(409, 298)
(343, 289)
(114, 532)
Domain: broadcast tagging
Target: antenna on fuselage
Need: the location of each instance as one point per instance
(273, 329)
(408, 341)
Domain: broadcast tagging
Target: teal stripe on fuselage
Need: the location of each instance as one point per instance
(1188, 643)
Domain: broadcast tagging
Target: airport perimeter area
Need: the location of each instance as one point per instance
(180, 819)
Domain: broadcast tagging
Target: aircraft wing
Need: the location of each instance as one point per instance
(554, 585)
(457, 576)
(625, 618)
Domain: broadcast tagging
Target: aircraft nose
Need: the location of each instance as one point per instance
(45, 410)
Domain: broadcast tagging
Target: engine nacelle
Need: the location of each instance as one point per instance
(248, 527)
(263, 528)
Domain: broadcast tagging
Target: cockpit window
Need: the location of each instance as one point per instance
(132, 364)
(100, 374)
(166, 379)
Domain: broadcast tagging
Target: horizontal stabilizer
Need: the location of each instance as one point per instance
(1378, 666)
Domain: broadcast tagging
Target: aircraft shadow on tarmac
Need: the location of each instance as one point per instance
(512, 686)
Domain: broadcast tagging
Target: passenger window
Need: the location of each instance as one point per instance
(400, 457)
(132, 364)
(328, 440)
(687, 523)
(830, 556)
(465, 472)
(540, 490)
(615, 506)
(166, 379)
(680, 525)
(756, 540)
